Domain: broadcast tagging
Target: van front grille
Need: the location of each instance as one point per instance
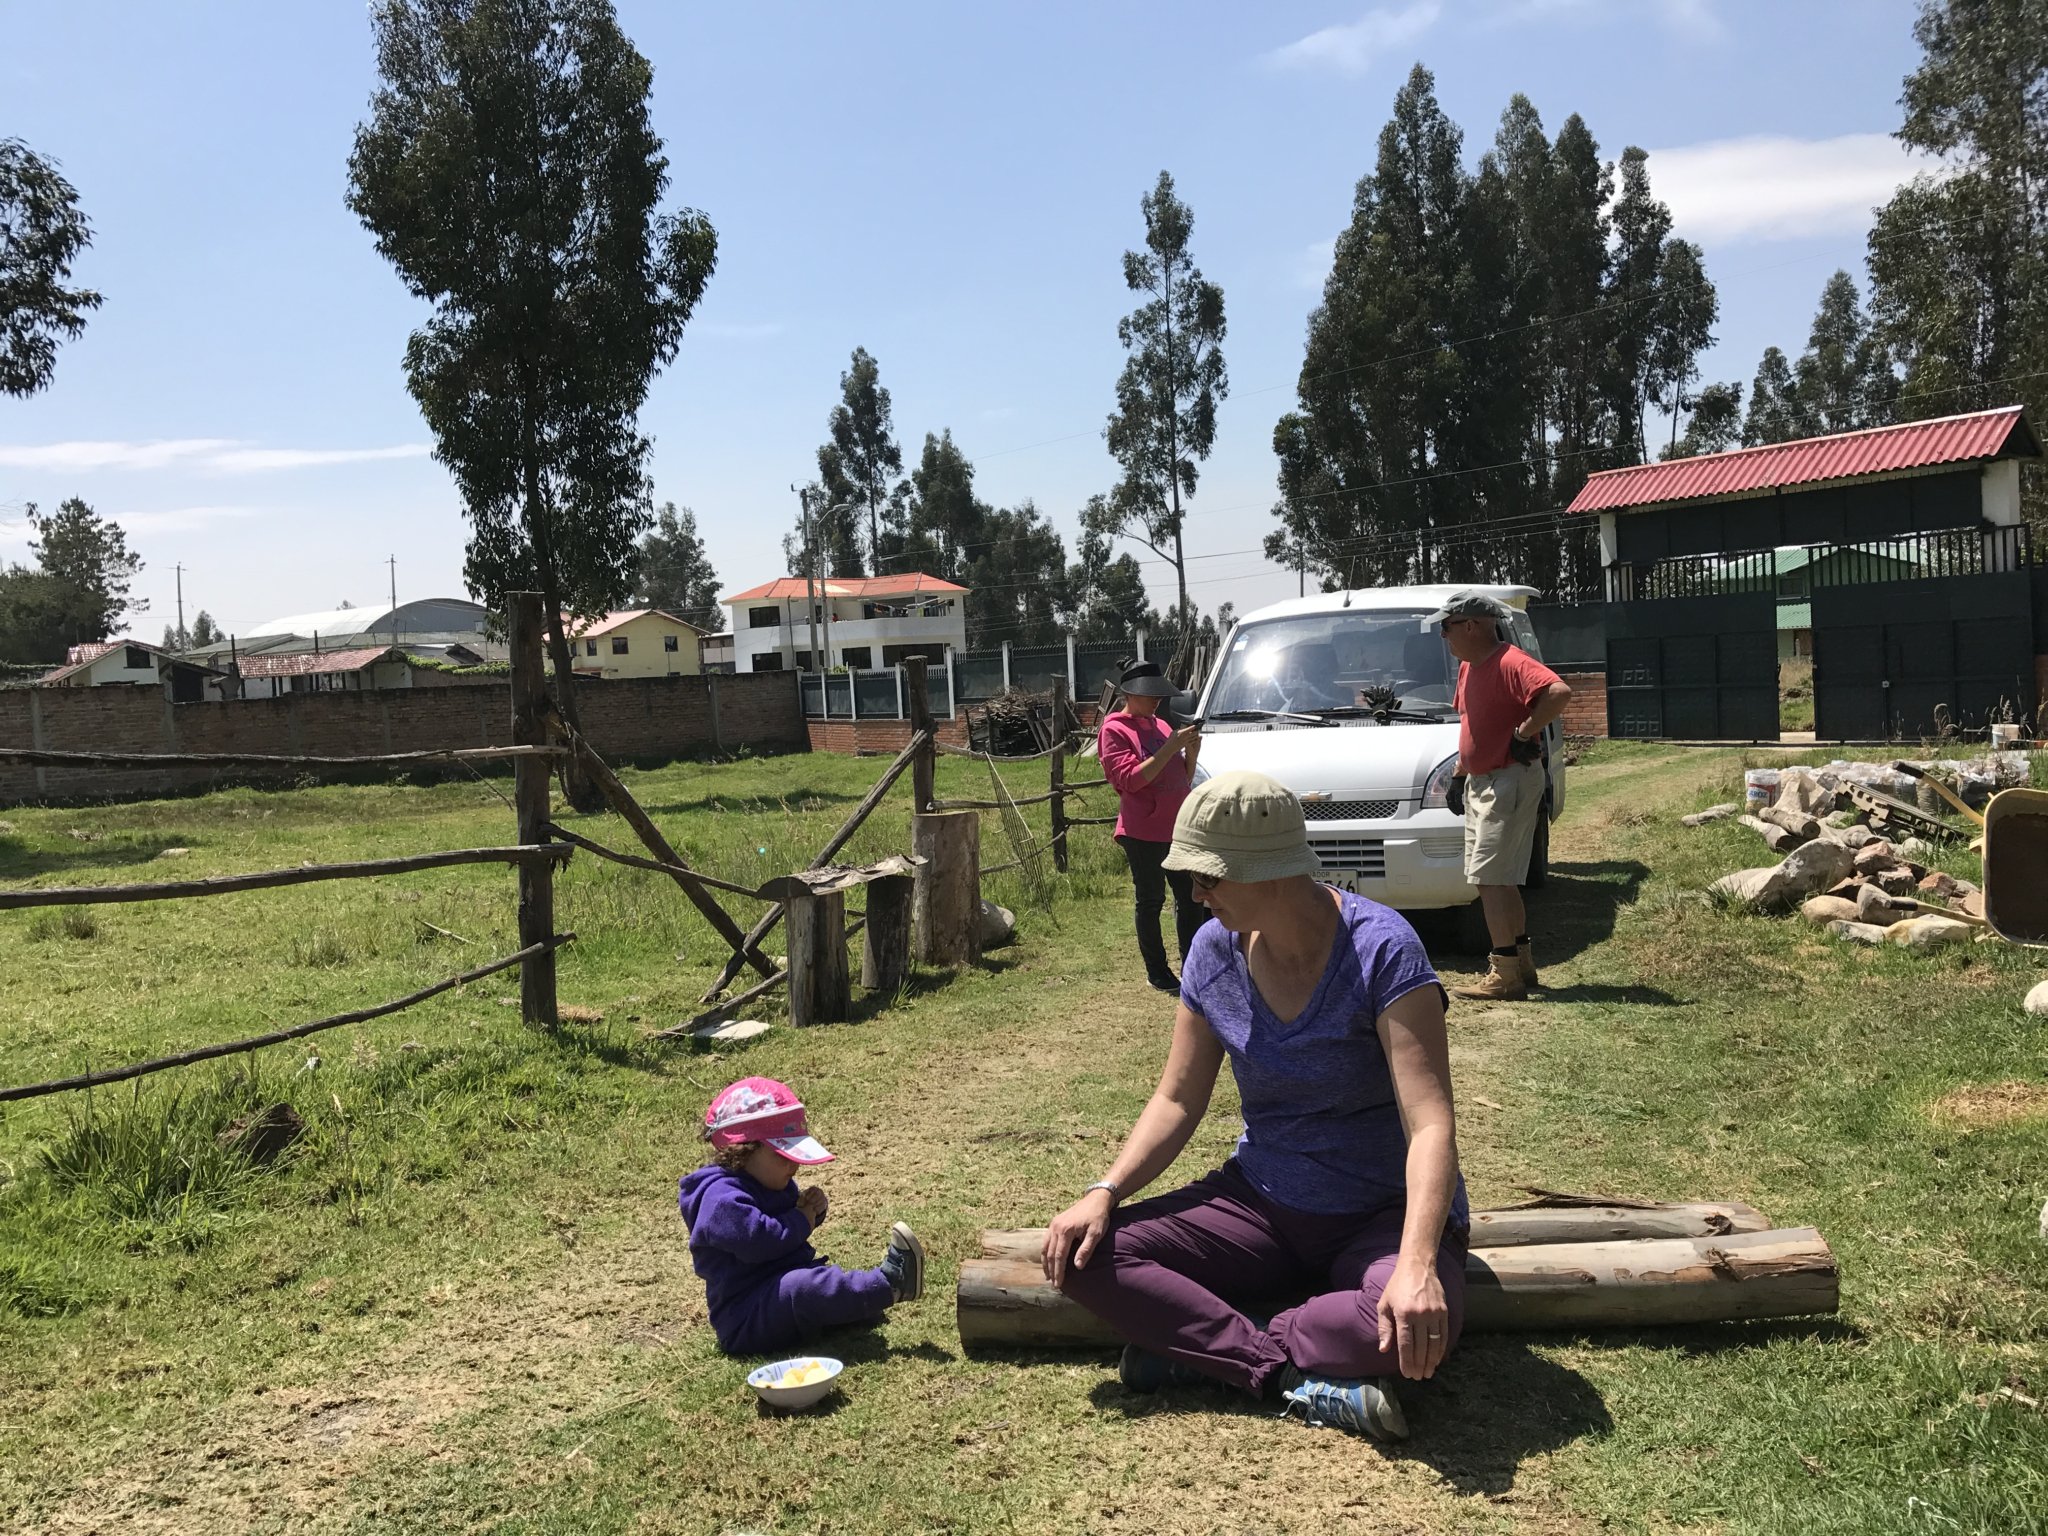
(1361, 855)
(1349, 810)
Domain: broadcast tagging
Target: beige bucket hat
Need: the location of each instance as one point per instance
(1242, 826)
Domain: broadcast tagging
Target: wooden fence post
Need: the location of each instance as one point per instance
(923, 766)
(947, 898)
(530, 802)
(885, 947)
(819, 992)
(1059, 774)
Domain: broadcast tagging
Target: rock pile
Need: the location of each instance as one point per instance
(1842, 875)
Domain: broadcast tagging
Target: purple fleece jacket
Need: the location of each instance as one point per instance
(741, 1234)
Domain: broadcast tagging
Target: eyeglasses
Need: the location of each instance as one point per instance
(1204, 883)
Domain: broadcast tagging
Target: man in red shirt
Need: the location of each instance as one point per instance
(1505, 699)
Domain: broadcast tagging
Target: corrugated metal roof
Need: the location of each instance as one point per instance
(1795, 615)
(909, 584)
(1981, 435)
(308, 663)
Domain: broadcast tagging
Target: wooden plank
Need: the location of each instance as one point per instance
(275, 1037)
(925, 762)
(1058, 774)
(946, 901)
(1644, 1282)
(537, 855)
(918, 741)
(524, 621)
(43, 759)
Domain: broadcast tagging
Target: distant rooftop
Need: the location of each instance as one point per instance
(909, 584)
(426, 615)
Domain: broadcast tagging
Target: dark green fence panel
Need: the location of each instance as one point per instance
(1693, 668)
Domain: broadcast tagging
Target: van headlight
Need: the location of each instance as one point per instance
(1436, 791)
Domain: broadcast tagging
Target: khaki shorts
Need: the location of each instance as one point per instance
(1501, 812)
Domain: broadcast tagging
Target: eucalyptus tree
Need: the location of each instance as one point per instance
(42, 232)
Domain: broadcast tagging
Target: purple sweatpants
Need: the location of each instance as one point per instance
(793, 1307)
(1175, 1272)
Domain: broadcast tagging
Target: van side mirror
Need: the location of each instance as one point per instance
(1182, 705)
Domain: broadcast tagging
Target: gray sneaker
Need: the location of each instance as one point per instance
(904, 1263)
(1364, 1407)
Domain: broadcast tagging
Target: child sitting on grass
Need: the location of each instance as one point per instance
(750, 1230)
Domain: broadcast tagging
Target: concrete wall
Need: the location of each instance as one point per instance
(668, 717)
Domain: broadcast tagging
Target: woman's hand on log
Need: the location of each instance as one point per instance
(1415, 1322)
(1074, 1233)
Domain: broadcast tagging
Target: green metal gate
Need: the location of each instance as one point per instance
(1692, 650)
(1894, 659)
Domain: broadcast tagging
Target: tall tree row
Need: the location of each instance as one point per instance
(1487, 338)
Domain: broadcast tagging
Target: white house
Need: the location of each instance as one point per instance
(861, 621)
(132, 663)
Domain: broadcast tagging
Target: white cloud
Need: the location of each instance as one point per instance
(219, 454)
(16, 531)
(1774, 188)
(1693, 19)
(1354, 47)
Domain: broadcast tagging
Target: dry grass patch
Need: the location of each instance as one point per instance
(1981, 1104)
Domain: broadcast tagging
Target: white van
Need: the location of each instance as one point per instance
(1346, 699)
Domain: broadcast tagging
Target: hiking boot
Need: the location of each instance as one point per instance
(1503, 982)
(1169, 984)
(1525, 952)
(1365, 1407)
(903, 1264)
(1142, 1371)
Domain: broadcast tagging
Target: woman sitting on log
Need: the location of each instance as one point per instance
(1345, 1182)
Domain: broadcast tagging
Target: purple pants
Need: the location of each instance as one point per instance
(1173, 1274)
(799, 1305)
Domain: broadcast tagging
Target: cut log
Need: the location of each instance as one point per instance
(1569, 1220)
(819, 992)
(947, 896)
(1639, 1283)
(885, 956)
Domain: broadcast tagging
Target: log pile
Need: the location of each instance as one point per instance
(1565, 1263)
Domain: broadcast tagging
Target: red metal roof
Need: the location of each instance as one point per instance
(307, 663)
(909, 584)
(578, 629)
(1981, 435)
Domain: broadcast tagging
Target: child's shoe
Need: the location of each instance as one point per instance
(904, 1263)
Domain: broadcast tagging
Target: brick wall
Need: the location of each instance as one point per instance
(1586, 714)
(876, 735)
(654, 717)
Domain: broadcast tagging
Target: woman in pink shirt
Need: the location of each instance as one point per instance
(1151, 766)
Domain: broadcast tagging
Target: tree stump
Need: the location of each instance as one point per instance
(947, 898)
(819, 989)
(885, 950)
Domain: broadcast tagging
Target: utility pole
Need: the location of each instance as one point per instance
(183, 639)
(393, 563)
(810, 574)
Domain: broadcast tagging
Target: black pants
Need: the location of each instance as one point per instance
(1151, 881)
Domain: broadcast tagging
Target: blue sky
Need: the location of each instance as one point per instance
(949, 186)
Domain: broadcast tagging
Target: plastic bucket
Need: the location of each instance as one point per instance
(2004, 736)
(1760, 787)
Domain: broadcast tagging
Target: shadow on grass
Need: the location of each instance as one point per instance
(1495, 1403)
(18, 863)
(797, 798)
(1575, 910)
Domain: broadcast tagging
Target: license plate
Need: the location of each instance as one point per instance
(1346, 880)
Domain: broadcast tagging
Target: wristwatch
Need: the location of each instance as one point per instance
(1115, 1189)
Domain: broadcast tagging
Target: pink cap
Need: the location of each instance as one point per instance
(761, 1109)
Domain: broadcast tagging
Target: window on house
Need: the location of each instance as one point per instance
(139, 660)
(763, 618)
(858, 656)
(618, 645)
(671, 643)
(590, 647)
(767, 661)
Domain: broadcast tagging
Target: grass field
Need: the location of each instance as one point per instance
(464, 1301)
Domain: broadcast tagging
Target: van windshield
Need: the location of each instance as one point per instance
(1321, 661)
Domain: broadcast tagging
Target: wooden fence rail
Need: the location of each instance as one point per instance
(37, 758)
(279, 1036)
(263, 880)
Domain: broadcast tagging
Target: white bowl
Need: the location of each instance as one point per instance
(766, 1381)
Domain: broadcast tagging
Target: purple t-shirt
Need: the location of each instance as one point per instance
(1322, 1130)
